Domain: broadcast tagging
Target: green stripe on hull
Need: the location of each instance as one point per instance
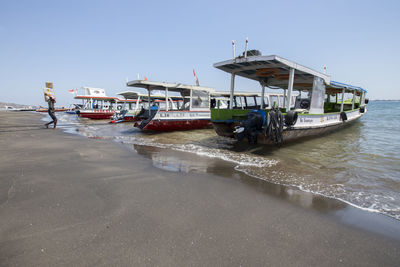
(228, 114)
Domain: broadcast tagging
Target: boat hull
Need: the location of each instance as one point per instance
(96, 114)
(168, 121)
(177, 125)
(306, 126)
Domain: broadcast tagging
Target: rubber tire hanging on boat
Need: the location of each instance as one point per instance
(362, 109)
(366, 101)
(291, 118)
(275, 126)
(305, 103)
(343, 116)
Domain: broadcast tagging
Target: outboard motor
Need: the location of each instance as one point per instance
(151, 112)
(251, 126)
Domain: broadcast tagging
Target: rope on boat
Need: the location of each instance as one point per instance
(275, 126)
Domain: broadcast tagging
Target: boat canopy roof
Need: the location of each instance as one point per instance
(273, 71)
(175, 87)
(245, 94)
(227, 94)
(131, 94)
(337, 87)
(109, 98)
(135, 95)
(105, 98)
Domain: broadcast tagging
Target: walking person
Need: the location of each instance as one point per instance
(50, 101)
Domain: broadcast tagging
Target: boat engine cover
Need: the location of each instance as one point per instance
(251, 126)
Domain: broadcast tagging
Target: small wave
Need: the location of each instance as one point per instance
(367, 201)
(241, 159)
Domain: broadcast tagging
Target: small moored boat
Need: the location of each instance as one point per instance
(134, 102)
(97, 105)
(184, 107)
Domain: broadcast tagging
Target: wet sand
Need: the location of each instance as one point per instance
(68, 200)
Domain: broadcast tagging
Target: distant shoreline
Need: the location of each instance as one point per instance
(391, 100)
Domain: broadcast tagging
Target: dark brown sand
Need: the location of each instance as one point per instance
(66, 200)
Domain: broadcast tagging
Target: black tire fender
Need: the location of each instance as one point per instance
(343, 116)
(291, 118)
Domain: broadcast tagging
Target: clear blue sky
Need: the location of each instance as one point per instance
(100, 43)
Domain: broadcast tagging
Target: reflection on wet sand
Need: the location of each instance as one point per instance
(186, 162)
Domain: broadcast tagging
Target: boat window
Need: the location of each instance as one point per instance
(239, 102)
(178, 104)
(200, 99)
(185, 104)
(258, 101)
(251, 102)
(162, 105)
(292, 104)
(281, 101)
(266, 102)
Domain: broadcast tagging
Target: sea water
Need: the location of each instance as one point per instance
(359, 164)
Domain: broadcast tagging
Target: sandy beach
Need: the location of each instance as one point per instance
(67, 200)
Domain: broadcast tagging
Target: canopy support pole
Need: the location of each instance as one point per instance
(362, 99)
(190, 100)
(354, 100)
(262, 95)
(166, 99)
(284, 98)
(149, 99)
(290, 89)
(232, 91)
(342, 104)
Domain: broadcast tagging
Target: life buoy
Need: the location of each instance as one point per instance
(267, 72)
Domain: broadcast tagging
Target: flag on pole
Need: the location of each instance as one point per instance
(197, 79)
(71, 91)
(145, 78)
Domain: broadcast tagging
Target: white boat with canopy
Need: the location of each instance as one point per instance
(97, 105)
(185, 107)
(130, 110)
(315, 110)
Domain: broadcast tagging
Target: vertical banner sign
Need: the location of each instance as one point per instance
(48, 91)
